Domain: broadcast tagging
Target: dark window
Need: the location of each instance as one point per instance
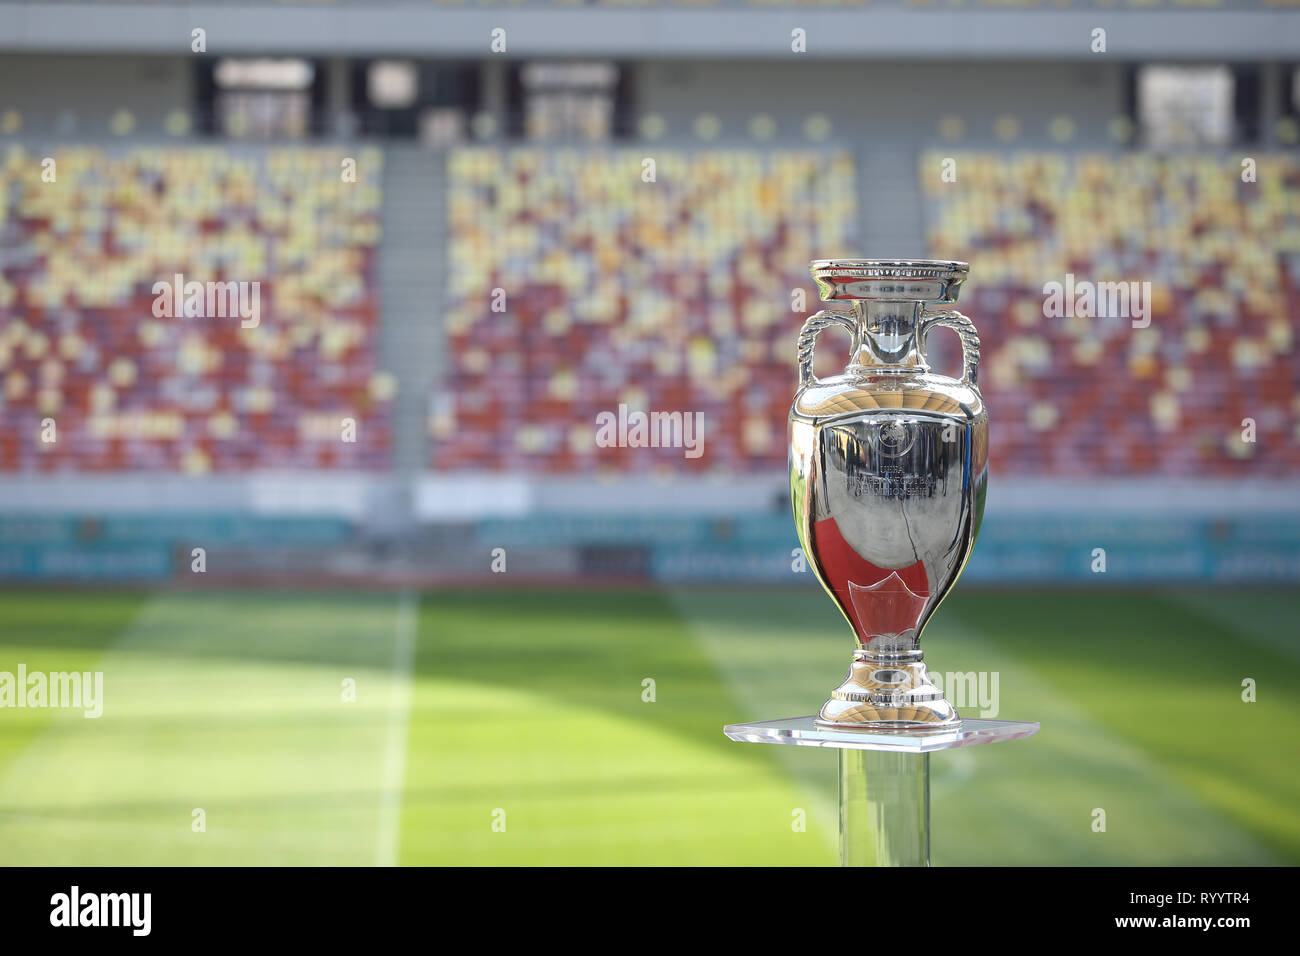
(407, 98)
(260, 98)
(1186, 105)
(554, 100)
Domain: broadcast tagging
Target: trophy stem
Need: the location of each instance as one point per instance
(893, 691)
(884, 808)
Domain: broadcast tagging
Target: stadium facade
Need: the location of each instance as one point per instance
(464, 262)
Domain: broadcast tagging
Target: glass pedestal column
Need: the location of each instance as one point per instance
(884, 779)
(884, 808)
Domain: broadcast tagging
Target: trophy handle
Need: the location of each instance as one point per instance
(808, 339)
(970, 339)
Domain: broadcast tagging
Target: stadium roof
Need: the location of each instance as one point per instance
(1244, 29)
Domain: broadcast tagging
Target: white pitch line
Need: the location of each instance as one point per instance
(393, 776)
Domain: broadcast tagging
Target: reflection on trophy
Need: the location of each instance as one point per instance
(888, 472)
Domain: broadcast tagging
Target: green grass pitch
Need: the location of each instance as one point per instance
(515, 728)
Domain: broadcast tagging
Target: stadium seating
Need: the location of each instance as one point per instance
(673, 295)
(1095, 395)
(665, 295)
(660, 296)
(84, 343)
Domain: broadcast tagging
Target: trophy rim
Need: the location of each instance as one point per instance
(946, 267)
(846, 278)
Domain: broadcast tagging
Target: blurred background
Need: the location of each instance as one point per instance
(363, 584)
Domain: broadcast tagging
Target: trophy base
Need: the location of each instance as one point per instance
(886, 694)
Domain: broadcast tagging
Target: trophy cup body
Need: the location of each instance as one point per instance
(888, 472)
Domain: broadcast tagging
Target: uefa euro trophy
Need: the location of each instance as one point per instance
(888, 469)
(888, 472)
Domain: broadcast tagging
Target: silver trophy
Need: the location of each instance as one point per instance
(888, 473)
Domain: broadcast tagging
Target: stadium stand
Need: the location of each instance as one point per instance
(1224, 308)
(82, 344)
(672, 295)
(664, 300)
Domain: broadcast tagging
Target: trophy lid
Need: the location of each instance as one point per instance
(927, 280)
